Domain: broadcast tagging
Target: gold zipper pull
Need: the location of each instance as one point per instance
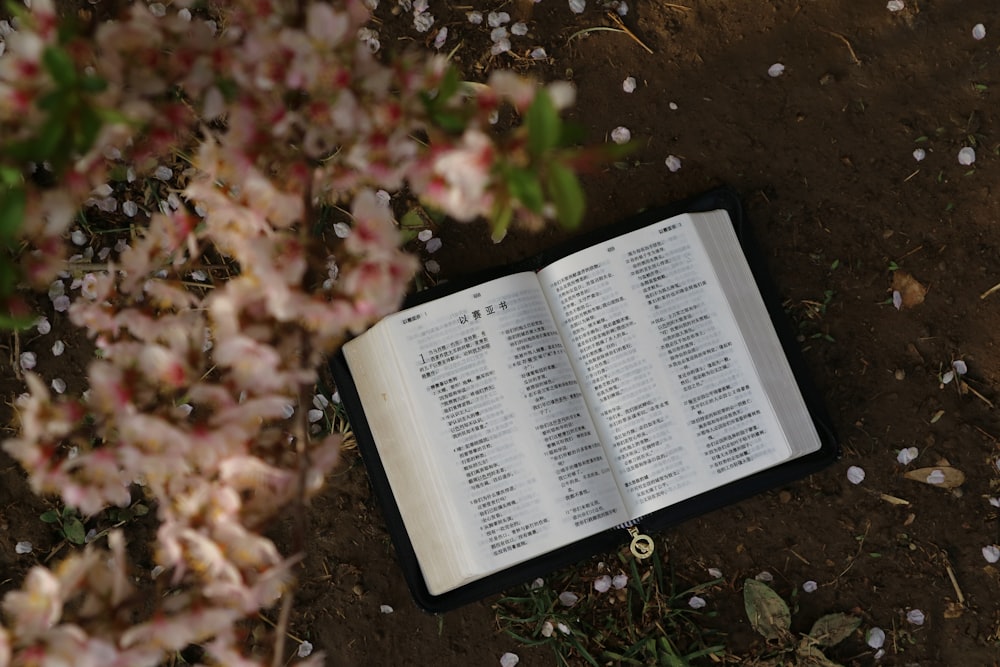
(642, 545)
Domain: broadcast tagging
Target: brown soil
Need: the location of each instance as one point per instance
(822, 156)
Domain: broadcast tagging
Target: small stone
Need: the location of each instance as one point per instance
(900, 374)
(385, 609)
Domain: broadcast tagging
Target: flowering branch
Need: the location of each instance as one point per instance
(284, 110)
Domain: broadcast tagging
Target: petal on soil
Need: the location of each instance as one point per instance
(855, 475)
(945, 477)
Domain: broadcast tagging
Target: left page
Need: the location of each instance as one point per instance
(505, 421)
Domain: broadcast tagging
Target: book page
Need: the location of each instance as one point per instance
(671, 384)
(509, 434)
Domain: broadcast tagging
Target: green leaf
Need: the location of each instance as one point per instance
(832, 629)
(500, 223)
(13, 203)
(543, 123)
(766, 611)
(566, 194)
(91, 83)
(49, 517)
(74, 531)
(90, 127)
(526, 188)
(448, 87)
(10, 176)
(451, 122)
(60, 66)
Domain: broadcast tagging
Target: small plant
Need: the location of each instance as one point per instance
(68, 524)
(771, 618)
(636, 619)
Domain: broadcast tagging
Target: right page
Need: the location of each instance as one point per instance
(680, 366)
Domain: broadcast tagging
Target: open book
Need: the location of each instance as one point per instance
(535, 410)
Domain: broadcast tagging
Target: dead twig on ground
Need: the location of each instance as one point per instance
(854, 56)
(995, 288)
(621, 25)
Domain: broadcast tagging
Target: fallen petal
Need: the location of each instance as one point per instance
(855, 475)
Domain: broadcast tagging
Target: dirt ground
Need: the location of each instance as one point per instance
(823, 157)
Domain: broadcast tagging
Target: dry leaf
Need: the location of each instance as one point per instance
(953, 610)
(909, 289)
(943, 476)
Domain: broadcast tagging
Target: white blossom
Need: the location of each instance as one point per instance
(919, 154)
(935, 477)
(475, 18)
(441, 37)
(568, 599)
(577, 6)
(425, 235)
(776, 70)
(907, 455)
(497, 19)
(855, 475)
(314, 415)
(809, 586)
(875, 637)
(621, 135)
(432, 266)
(715, 573)
(978, 31)
(619, 581)
(915, 616)
(895, 5)
(696, 602)
(509, 660)
(520, 29)
(539, 54)
(991, 553)
(385, 609)
(628, 85)
(163, 173)
(433, 245)
(58, 348)
(43, 325)
(673, 163)
(967, 156)
(78, 237)
(342, 230)
(23, 547)
(765, 576)
(58, 385)
(28, 360)
(547, 629)
(305, 649)
(602, 584)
